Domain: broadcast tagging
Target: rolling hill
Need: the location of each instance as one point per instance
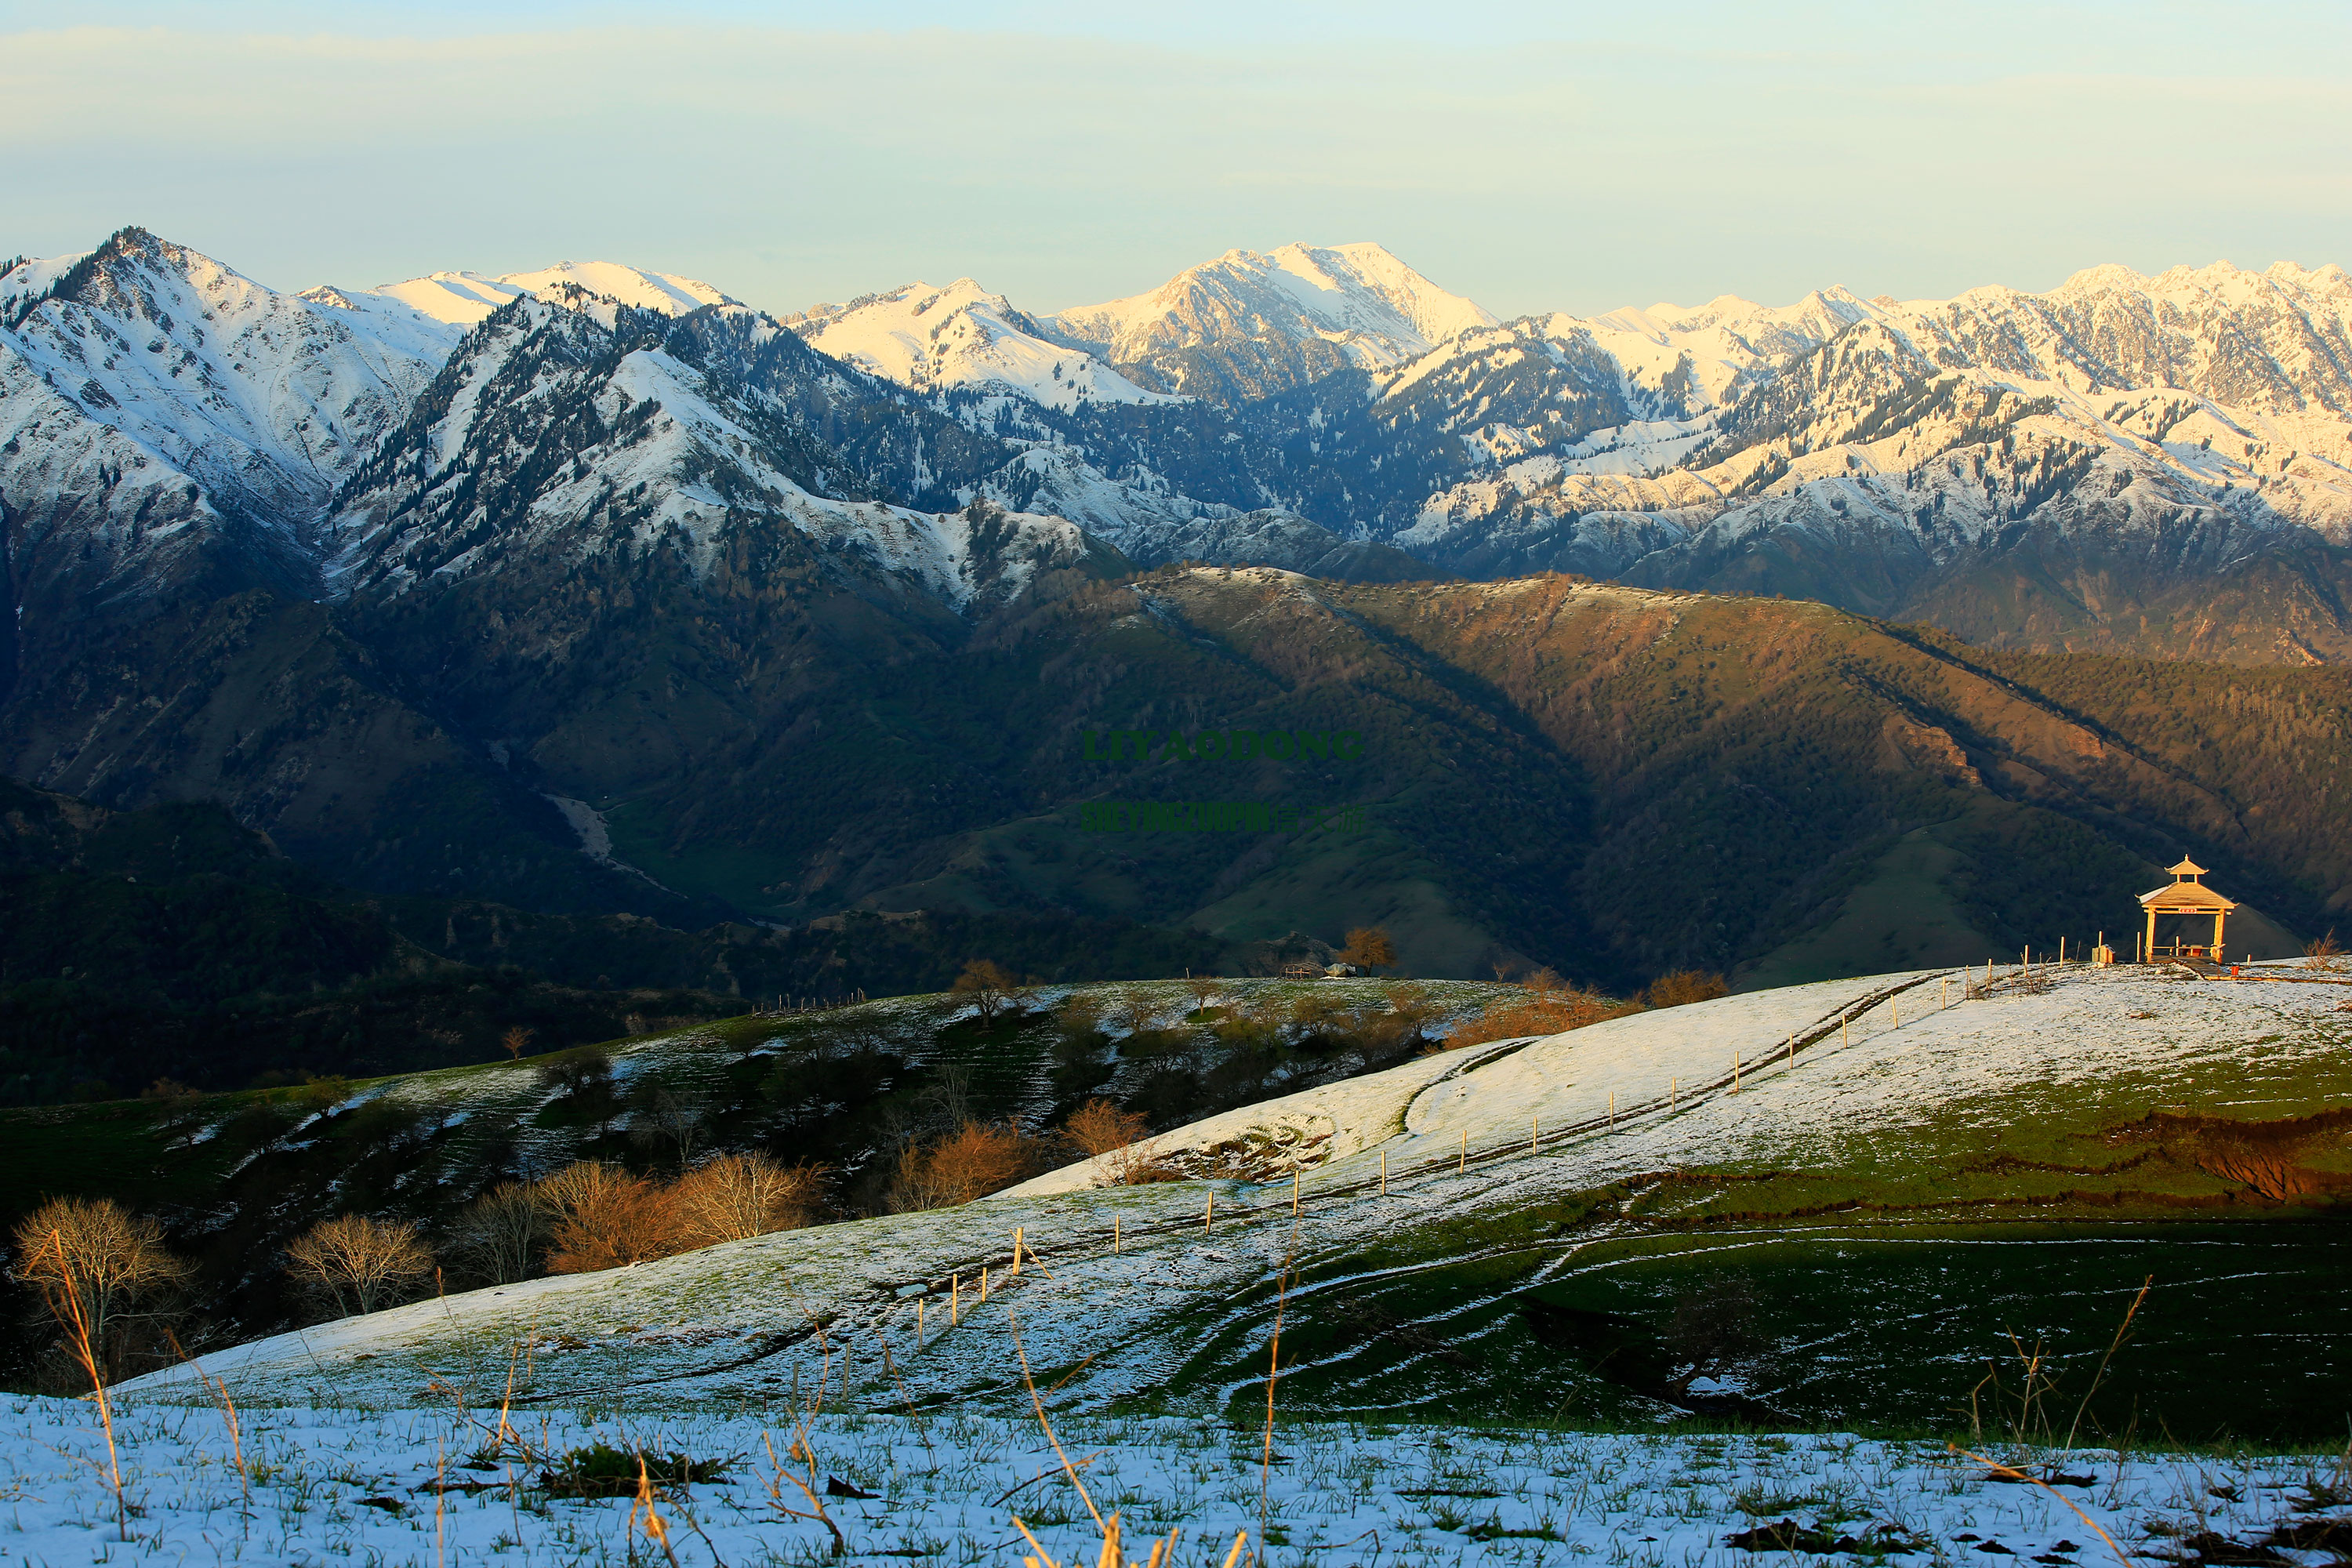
(1637, 1219)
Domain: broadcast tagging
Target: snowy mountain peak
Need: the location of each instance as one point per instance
(664, 291)
(1360, 297)
(462, 299)
(962, 337)
(265, 397)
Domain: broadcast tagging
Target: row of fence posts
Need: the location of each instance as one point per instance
(792, 1007)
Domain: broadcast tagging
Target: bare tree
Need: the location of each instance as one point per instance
(601, 1217)
(988, 985)
(972, 1161)
(663, 1119)
(94, 1263)
(739, 1196)
(1114, 1140)
(1369, 948)
(1133, 1009)
(497, 1235)
(516, 1040)
(361, 1264)
(1203, 987)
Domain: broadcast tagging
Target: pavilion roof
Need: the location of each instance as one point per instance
(2187, 898)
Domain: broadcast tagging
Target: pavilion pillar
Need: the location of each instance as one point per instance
(2219, 916)
(2148, 956)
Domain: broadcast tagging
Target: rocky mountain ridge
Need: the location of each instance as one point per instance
(594, 590)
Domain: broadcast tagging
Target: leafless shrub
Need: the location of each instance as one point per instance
(1115, 1139)
(1545, 1005)
(361, 1264)
(94, 1264)
(1683, 986)
(601, 1217)
(497, 1235)
(2324, 953)
(739, 1195)
(972, 1161)
(1080, 1015)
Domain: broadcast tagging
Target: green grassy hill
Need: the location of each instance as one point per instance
(1841, 1204)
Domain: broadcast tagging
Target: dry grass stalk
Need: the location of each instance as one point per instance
(2009, 1473)
(657, 1529)
(78, 1339)
(2113, 1345)
(218, 1389)
(1273, 1372)
(807, 1487)
(360, 1263)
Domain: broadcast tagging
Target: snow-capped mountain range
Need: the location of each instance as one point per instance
(415, 576)
(1285, 403)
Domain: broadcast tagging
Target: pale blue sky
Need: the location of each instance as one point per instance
(1534, 157)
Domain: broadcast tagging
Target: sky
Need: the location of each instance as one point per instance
(1534, 157)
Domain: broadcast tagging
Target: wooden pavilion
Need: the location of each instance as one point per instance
(2185, 896)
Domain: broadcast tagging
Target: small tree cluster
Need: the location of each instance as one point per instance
(600, 1217)
(1684, 985)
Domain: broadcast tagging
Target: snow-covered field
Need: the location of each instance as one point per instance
(435, 1487)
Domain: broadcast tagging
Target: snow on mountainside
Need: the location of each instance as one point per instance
(462, 299)
(1854, 450)
(1306, 311)
(550, 436)
(1297, 408)
(960, 336)
(267, 398)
